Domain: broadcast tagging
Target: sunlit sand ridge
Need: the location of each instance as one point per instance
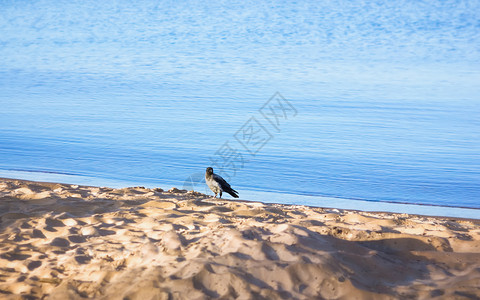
(60, 241)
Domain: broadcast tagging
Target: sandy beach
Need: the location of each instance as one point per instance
(60, 241)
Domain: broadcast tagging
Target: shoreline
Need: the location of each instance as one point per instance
(278, 198)
(63, 241)
(474, 220)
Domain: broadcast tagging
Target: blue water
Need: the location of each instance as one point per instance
(381, 100)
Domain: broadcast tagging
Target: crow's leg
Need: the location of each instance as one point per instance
(220, 193)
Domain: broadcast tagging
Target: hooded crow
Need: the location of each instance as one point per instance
(218, 185)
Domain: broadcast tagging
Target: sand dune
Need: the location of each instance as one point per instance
(60, 241)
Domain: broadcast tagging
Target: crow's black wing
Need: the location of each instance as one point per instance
(225, 186)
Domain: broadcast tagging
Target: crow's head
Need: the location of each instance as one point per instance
(209, 171)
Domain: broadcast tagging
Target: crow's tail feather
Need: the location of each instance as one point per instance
(233, 193)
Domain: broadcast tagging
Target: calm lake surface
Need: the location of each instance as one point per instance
(378, 101)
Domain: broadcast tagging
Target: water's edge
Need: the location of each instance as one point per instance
(262, 196)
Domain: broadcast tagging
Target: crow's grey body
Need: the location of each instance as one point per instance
(218, 185)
